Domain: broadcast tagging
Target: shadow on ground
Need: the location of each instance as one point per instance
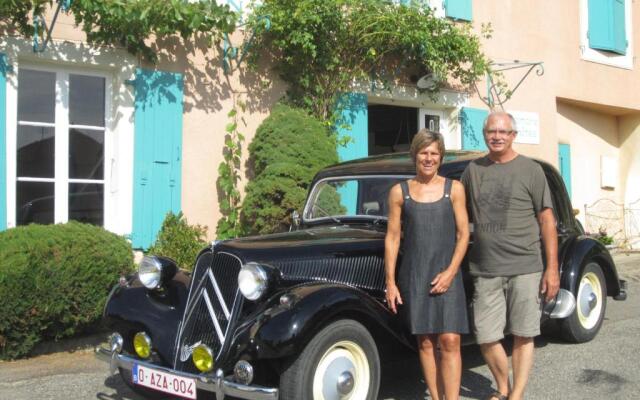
(402, 376)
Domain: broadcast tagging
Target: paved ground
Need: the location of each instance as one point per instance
(604, 368)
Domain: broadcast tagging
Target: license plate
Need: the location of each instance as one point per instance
(164, 382)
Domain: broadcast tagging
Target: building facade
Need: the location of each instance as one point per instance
(96, 135)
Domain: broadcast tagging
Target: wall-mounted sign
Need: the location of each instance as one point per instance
(528, 127)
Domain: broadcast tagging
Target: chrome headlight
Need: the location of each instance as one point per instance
(153, 271)
(252, 281)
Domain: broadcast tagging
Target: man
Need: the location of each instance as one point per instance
(511, 208)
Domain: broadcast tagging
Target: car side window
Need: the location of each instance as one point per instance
(374, 194)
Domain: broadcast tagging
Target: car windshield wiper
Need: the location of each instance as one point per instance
(327, 214)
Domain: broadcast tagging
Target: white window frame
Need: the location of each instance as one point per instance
(61, 178)
(120, 67)
(606, 57)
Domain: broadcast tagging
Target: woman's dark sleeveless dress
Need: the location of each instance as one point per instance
(429, 238)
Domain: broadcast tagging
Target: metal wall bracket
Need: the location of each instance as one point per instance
(498, 92)
(39, 22)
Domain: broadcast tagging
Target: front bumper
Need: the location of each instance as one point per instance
(215, 384)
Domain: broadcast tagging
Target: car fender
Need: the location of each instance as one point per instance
(578, 253)
(285, 328)
(131, 308)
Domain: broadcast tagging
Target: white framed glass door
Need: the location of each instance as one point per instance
(60, 147)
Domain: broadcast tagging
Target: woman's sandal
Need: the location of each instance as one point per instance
(497, 396)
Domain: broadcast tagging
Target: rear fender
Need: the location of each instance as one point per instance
(582, 250)
(284, 329)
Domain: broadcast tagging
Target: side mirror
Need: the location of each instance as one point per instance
(295, 221)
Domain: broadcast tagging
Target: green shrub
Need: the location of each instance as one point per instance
(288, 149)
(179, 240)
(54, 280)
(605, 239)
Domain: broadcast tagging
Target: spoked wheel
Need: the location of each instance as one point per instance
(340, 363)
(591, 302)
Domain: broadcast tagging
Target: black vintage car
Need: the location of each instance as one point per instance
(301, 315)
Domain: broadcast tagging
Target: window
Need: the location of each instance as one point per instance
(606, 32)
(364, 196)
(60, 147)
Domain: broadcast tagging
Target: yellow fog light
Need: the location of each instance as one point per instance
(142, 345)
(202, 358)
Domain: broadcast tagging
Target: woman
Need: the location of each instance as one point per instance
(436, 235)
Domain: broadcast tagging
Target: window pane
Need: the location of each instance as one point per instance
(36, 151)
(86, 154)
(86, 100)
(34, 202)
(36, 96)
(86, 203)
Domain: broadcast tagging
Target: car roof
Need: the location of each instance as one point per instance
(397, 164)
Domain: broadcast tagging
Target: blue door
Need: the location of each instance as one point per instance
(352, 124)
(564, 162)
(471, 121)
(157, 152)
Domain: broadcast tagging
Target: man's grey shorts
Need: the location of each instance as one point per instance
(509, 304)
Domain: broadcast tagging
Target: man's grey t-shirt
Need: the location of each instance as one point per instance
(505, 200)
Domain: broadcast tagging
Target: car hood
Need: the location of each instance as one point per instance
(318, 242)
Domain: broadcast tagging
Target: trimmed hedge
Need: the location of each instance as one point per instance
(289, 147)
(179, 240)
(54, 281)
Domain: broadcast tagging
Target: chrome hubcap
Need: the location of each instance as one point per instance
(589, 300)
(342, 373)
(593, 301)
(345, 383)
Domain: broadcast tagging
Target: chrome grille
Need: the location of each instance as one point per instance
(209, 315)
(365, 272)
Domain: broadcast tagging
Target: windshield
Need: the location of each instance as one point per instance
(340, 197)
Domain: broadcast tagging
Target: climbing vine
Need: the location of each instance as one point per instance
(130, 23)
(321, 47)
(229, 175)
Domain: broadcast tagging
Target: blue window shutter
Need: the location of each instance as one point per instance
(619, 28)
(564, 162)
(471, 120)
(4, 67)
(157, 152)
(607, 29)
(458, 9)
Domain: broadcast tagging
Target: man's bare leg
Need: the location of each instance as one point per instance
(428, 348)
(522, 362)
(450, 364)
(496, 359)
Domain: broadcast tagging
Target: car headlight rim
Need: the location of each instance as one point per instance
(150, 272)
(253, 281)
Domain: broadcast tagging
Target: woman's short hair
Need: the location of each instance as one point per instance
(423, 139)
